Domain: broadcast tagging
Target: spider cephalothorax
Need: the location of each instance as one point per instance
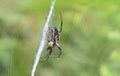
(53, 40)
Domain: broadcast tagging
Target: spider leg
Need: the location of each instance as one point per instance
(58, 36)
(47, 50)
(61, 23)
(50, 51)
(60, 50)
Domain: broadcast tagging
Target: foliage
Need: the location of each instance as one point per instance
(90, 38)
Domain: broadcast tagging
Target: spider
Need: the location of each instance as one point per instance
(53, 40)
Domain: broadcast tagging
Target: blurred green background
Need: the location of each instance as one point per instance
(90, 38)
